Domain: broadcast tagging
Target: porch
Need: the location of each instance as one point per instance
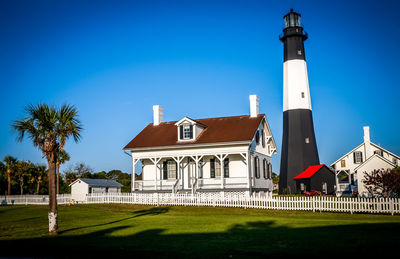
(230, 170)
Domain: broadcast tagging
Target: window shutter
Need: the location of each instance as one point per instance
(176, 170)
(191, 131)
(226, 167)
(181, 132)
(212, 168)
(262, 138)
(165, 170)
(361, 157)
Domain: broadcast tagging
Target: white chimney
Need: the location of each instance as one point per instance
(253, 105)
(158, 114)
(367, 143)
(366, 134)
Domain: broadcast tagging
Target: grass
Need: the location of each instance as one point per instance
(129, 230)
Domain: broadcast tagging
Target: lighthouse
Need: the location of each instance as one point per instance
(299, 147)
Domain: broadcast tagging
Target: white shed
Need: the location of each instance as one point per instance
(82, 186)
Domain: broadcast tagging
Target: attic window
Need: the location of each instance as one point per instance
(186, 132)
(378, 152)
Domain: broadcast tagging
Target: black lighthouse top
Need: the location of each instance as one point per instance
(293, 37)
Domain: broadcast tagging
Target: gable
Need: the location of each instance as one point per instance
(375, 162)
(217, 130)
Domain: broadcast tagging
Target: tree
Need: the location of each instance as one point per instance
(10, 162)
(49, 127)
(70, 177)
(23, 170)
(62, 157)
(3, 178)
(383, 182)
(82, 170)
(37, 174)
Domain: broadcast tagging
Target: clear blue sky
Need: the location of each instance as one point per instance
(114, 59)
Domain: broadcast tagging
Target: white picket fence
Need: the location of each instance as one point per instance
(33, 199)
(316, 203)
(240, 200)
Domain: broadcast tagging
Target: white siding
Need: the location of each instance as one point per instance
(79, 190)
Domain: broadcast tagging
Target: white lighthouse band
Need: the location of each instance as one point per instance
(296, 91)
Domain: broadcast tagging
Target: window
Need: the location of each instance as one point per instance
(257, 167)
(394, 161)
(226, 167)
(215, 168)
(324, 188)
(187, 131)
(299, 52)
(307, 140)
(378, 152)
(258, 137)
(343, 163)
(358, 157)
(302, 187)
(170, 170)
(302, 94)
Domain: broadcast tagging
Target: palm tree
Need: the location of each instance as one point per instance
(62, 157)
(10, 162)
(36, 176)
(23, 170)
(49, 128)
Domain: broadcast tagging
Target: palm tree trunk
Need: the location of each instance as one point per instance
(21, 185)
(58, 177)
(9, 182)
(53, 222)
(38, 184)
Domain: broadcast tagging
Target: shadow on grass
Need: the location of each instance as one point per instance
(138, 213)
(254, 239)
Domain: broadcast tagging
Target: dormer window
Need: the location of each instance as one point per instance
(188, 129)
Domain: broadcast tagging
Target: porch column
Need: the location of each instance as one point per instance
(155, 161)
(134, 162)
(196, 159)
(221, 158)
(337, 182)
(178, 161)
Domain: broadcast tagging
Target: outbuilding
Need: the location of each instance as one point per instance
(81, 187)
(316, 178)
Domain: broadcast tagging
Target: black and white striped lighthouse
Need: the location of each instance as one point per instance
(299, 148)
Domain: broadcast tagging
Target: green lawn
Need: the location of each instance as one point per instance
(130, 230)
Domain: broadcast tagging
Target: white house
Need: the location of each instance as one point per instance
(204, 155)
(351, 167)
(81, 187)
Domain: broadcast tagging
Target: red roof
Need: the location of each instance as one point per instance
(217, 130)
(310, 171)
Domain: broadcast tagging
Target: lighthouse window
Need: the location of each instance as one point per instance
(307, 140)
(302, 94)
(299, 52)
